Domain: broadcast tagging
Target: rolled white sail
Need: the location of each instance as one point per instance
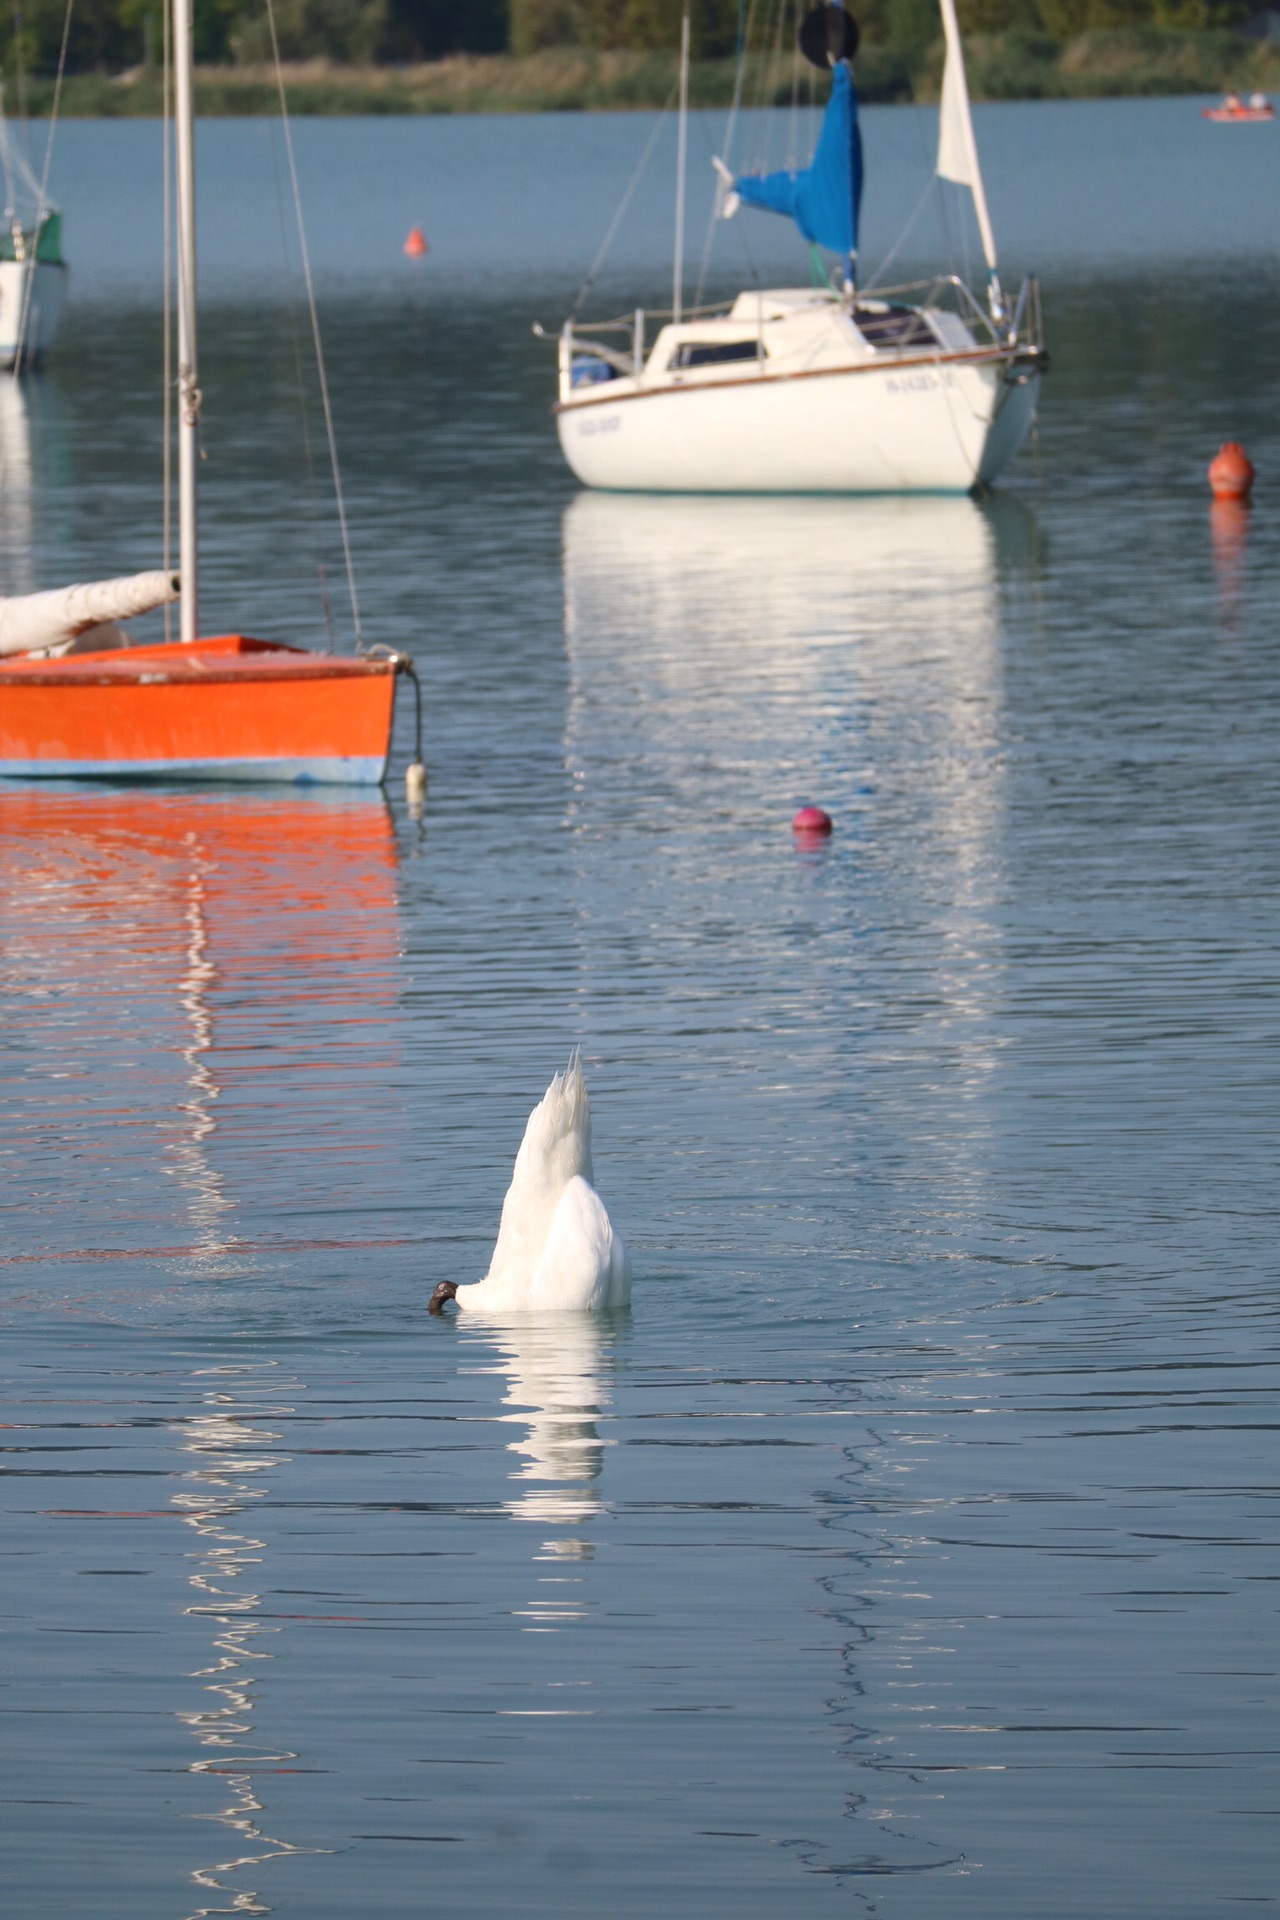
(34, 620)
(957, 148)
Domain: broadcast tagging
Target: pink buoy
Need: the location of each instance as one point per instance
(416, 245)
(812, 823)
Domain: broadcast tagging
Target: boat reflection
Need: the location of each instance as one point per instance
(35, 481)
(233, 1449)
(731, 659)
(179, 951)
(778, 583)
(751, 651)
(191, 931)
(17, 512)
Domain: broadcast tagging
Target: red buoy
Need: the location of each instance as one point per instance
(811, 823)
(1231, 472)
(416, 245)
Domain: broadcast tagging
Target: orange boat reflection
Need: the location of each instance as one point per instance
(173, 946)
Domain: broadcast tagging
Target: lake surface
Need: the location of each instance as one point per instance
(910, 1547)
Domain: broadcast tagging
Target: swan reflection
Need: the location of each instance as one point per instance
(557, 1392)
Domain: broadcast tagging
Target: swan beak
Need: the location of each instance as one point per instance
(446, 1291)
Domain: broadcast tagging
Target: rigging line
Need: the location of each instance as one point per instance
(815, 114)
(934, 182)
(773, 67)
(313, 501)
(19, 64)
(760, 89)
(901, 241)
(682, 154)
(166, 133)
(947, 237)
(28, 285)
(315, 330)
(793, 127)
(624, 203)
(8, 163)
(746, 18)
(744, 41)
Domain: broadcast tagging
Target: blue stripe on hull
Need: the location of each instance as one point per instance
(356, 770)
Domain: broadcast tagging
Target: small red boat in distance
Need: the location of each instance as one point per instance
(1256, 108)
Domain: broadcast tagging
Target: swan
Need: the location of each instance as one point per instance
(556, 1247)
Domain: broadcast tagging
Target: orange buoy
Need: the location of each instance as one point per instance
(416, 245)
(1231, 472)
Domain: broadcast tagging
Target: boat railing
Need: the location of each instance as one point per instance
(1024, 329)
(586, 342)
(944, 289)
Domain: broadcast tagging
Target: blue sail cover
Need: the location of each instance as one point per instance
(824, 199)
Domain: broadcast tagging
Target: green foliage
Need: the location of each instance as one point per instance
(349, 31)
(430, 29)
(900, 37)
(911, 24)
(646, 25)
(108, 36)
(999, 16)
(537, 24)
(1067, 18)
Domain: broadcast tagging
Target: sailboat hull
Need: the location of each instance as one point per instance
(228, 709)
(941, 425)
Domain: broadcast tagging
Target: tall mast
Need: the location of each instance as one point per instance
(682, 142)
(188, 377)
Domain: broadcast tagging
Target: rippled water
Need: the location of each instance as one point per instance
(909, 1547)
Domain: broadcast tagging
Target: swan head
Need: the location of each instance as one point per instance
(446, 1291)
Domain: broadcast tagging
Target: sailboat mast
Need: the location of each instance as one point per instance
(682, 146)
(188, 378)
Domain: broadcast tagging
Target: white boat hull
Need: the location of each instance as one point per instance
(47, 280)
(944, 426)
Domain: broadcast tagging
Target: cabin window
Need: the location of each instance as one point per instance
(899, 328)
(717, 353)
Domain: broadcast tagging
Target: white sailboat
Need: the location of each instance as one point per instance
(926, 388)
(33, 274)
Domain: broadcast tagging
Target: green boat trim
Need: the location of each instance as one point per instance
(19, 243)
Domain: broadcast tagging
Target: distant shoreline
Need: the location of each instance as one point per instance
(1018, 65)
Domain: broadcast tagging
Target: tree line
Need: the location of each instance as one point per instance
(115, 35)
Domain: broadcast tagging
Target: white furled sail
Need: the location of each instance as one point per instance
(957, 148)
(31, 621)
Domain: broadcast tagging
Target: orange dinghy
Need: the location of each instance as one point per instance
(228, 708)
